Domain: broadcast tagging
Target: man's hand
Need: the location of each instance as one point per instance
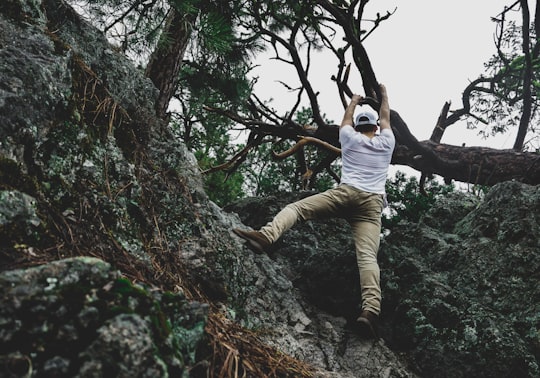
(349, 112)
(356, 99)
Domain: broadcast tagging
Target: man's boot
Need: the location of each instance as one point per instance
(255, 240)
(368, 325)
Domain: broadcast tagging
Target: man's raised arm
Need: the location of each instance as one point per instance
(349, 112)
(384, 111)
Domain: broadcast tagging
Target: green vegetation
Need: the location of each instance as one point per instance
(407, 202)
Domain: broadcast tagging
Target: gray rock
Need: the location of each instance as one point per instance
(79, 317)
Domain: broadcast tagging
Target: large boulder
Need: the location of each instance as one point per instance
(79, 317)
(460, 287)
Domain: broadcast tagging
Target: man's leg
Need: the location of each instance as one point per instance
(283, 220)
(367, 239)
(320, 205)
(366, 227)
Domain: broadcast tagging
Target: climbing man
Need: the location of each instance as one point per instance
(359, 199)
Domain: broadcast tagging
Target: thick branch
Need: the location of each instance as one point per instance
(527, 80)
(231, 165)
(475, 165)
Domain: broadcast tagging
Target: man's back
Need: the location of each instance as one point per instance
(365, 160)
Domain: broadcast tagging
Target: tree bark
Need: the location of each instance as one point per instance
(527, 80)
(166, 60)
(474, 165)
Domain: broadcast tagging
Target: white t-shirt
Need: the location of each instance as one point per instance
(365, 161)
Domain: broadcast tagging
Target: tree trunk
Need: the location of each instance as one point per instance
(166, 60)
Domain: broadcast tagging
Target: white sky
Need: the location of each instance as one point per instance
(433, 50)
(425, 54)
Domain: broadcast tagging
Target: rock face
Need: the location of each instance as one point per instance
(460, 288)
(462, 293)
(113, 260)
(79, 317)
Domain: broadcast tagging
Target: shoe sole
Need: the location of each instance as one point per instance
(252, 244)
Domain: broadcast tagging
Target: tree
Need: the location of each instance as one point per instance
(508, 97)
(166, 59)
(195, 56)
(406, 201)
(267, 174)
(194, 43)
(295, 30)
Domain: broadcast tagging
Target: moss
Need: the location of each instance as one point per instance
(130, 298)
(175, 334)
(124, 287)
(160, 323)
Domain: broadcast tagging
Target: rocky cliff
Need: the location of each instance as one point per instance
(115, 263)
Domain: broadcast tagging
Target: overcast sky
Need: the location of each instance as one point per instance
(428, 52)
(425, 54)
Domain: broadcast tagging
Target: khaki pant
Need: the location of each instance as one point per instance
(363, 212)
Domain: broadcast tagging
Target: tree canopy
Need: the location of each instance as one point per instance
(199, 54)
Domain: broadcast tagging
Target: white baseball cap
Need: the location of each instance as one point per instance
(365, 118)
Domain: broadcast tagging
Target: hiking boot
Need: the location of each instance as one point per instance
(368, 325)
(255, 240)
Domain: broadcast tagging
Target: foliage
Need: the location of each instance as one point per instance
(406, 202)
(221, 187)
(218, 59)
(133, 25)
(267, 176)
(261, 174)
(498, 109)
(207, 134)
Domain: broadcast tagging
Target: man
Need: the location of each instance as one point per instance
(359, 199)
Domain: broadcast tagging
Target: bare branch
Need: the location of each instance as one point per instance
(440, 127)
(231, 165)
(301, 143)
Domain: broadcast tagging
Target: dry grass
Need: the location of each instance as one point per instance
(239, 352)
